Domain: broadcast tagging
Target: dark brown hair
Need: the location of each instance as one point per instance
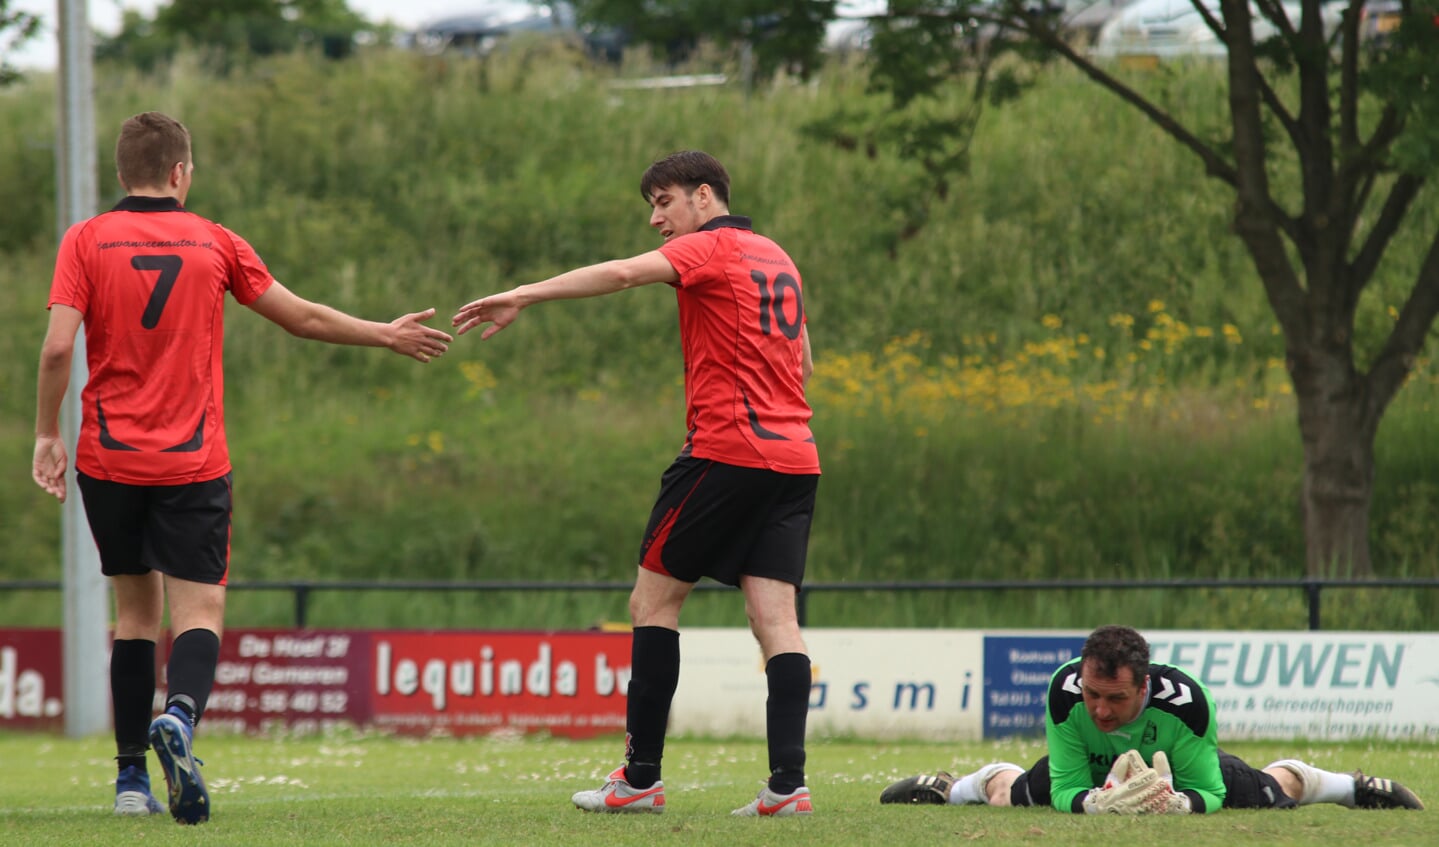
(1110, 648)
(689, 169)
(150, 144)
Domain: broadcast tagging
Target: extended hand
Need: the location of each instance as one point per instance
(414, 339)
(1134, 788)
(498, 310)
(50, 465)
(1170, 802)
(1129, 764)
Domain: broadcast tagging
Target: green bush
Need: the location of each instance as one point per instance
(1067, 372)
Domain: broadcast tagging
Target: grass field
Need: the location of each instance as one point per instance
(364, 789)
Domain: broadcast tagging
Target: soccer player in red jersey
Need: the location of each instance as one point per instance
(736, 504)
(148, 279)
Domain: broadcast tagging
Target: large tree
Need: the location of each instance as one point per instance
(1331, 139)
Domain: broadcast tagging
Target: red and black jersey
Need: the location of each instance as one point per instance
(741, 313)
(150, 280)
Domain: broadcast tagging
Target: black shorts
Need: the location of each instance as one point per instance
(1245, 787)
(724, 521)
(180, 530)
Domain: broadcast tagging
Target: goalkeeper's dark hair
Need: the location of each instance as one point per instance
(689, 169)
(1110, 648)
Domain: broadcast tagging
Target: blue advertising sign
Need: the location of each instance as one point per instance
(1017, 669)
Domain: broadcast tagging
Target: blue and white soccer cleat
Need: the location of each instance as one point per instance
(172, 739)
(132, 793)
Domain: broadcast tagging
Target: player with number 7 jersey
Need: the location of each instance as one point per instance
(148, 280)
(151, 279)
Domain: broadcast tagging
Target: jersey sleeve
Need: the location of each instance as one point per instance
(1195, 761)
(70, 286)
(251, 278)
(690, 252)
(1069, 773)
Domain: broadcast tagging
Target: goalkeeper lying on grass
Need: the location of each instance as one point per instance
(1128, 737)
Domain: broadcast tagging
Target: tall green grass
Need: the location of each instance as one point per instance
(1069, 371)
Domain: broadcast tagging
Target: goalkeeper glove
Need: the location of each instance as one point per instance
(1134, 788)
(1173, 802)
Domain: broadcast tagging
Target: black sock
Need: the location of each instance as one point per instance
(132, 695)
(654, 674)
(191, 671)
(788, 675)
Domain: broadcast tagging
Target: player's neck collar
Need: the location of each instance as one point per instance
(721, 221)
(142, 203)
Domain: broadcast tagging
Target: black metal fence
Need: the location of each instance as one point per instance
(302, 590)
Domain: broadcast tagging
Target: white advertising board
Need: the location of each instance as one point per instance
(1316, 685)
(970, 684)
(870, 683)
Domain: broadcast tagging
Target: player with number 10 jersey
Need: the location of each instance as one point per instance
(741, 313)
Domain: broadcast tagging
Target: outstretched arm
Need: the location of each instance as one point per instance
(500, 310)
(51, 461)
(406, 335)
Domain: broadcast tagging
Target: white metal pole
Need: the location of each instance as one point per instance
(87, 613)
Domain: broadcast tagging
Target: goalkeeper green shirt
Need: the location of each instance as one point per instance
(1178, 718)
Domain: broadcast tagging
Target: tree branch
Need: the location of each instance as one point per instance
(1274, 12)
(1366, 160)
(1214, 164)
(1349, 83)
(1396, 361)
(1220, 33)
(1254, 219)
(1316, 154)
(1396, 206)
(1271, 98)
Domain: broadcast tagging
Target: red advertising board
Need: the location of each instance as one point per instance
(32, 691)
(303, 681)
(569, 684)
(459, 683)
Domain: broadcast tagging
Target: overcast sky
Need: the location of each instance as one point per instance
(105, 16)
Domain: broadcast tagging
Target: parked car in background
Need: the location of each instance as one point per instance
(1382, 19)
(1079, 20)
(1151, 31)
(1085, 18)
(489, 23)
(850, 30)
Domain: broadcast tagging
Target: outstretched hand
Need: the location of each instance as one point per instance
(50, 465)
(1169, 801)
(414, 339)
(497, 310)
(1134, 788)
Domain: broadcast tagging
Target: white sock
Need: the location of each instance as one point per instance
(971, 788)
(1319, 786)
(1335, 788)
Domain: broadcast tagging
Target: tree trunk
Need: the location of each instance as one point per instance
(1338, 432)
